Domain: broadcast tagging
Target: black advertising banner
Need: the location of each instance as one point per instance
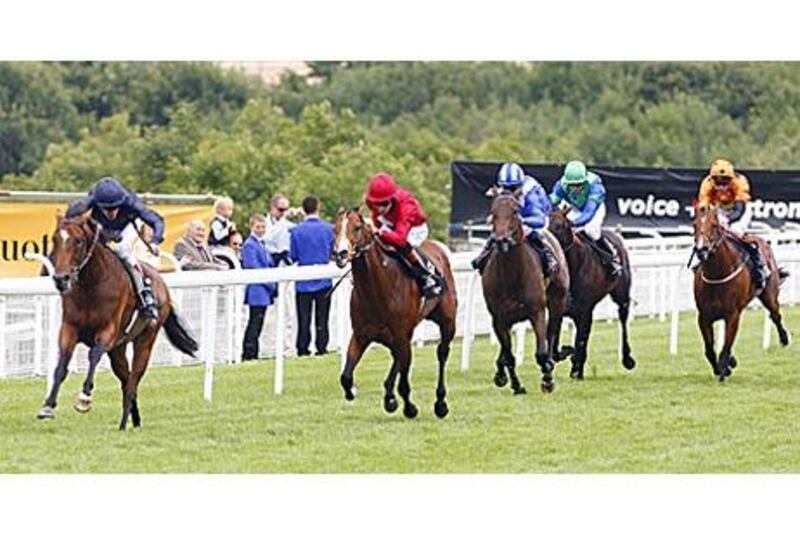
(637, 197)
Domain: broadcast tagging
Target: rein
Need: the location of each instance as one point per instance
(76, 270)
(717, 281)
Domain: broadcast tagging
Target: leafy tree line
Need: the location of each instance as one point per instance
(196, 127)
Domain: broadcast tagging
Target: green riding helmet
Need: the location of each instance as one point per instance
(575, 173)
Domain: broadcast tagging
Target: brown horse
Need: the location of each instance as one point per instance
(387, 304)
(589, 283)
(515, 290)
(723, 286)
(98, 303)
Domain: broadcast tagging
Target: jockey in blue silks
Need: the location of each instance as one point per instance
(534, 207)
(583, 191)
(114, 207)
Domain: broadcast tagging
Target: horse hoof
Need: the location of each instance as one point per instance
(83, 403)
(576, 374)
(784, 337)
(350, 394)
(548, 386)
(566, 351)
(500, 380)
(390, 405)
(629, 363)
(520, 390)
(410, 410)
(46, 413)
(733, 362)
(441, 409)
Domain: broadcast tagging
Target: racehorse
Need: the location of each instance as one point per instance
(387, 304)
(589, 283)
(515, 290)
(98, 302)
(723, 286)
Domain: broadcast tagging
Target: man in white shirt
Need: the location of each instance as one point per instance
(278, 239)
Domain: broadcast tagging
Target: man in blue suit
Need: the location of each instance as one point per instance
(257, 296)
(312, 244)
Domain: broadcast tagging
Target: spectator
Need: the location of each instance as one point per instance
(312, 244)
(236, 244)
(257, 296)
(231, 254)
(192, 251)
(221, 226)
(278, 228)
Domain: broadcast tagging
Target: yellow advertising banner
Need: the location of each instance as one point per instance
(29, 226)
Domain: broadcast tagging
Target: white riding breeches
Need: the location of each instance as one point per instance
(124, 251)
(739, 228)
(527, 230)
(417, 235)
(594, 227)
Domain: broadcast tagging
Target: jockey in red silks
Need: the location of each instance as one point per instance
(402, 224)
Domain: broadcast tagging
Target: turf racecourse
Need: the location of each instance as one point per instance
(668, 415)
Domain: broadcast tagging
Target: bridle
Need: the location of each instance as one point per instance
(505, 243)
(75, 271)
(704, 254)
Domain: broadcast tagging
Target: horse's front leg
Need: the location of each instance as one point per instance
(543, 356)
(83, 403)
(402, 355)
(506, 360)
(706, 326)
(726, 359)
(355, 349)
(389, 399)
(67, 339)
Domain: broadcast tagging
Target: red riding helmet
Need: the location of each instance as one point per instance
(382, 188)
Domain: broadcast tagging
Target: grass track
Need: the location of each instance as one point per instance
(667, 415)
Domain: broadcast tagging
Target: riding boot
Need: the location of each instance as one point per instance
(424, 273)
(545, 253)
(479, 263)
(760, 271)
(609, 257)
(145, 292)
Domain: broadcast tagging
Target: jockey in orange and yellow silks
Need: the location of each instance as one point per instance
(729, 190)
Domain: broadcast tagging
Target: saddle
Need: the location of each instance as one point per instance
(413, 270)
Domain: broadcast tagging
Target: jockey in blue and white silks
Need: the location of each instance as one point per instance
(114, 207)
(534, 208)
(584, 192)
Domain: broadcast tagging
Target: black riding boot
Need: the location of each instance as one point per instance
(545, 253)
(760, 272)
(479, 263)
(425, 274)
(145, 292)
(609, 257)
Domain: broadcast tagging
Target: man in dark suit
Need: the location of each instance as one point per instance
(312, 244)
(260, 295)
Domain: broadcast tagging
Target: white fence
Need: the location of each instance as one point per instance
(212, 302)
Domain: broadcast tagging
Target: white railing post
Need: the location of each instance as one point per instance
(466, 337)
(38, 336)
(279, 337)
(767, 330)
(520, 348)
(208, 336)
(675, 318)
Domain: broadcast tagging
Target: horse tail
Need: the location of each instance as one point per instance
(179, 335)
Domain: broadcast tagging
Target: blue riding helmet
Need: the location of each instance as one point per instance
(108, 193)
(510, 175)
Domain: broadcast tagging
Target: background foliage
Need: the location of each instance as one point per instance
(198, 127)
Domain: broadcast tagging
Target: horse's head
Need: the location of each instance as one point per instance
(709, 231)
(561, 227)
(505, 221)
(73, 244)
(353, 236)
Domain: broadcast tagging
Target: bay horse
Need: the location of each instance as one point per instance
(589, 283)
(515, 290)
(97, 304)
(723, 286)
(386, 305)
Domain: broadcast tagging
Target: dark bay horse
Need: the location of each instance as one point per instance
(98, 302)
(387, 304)
(589, 283)
(515, 290)
(723, 286)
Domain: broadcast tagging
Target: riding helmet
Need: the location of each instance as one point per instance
(722, 168)
(108, 193)
(510, 175)
(382, 188)
(575, 173)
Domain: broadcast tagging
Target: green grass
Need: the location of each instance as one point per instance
(668, 415)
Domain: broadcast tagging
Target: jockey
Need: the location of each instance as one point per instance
(729, 191)
(584, 192)
(534, 208)
(113, 207)
(402, 224)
